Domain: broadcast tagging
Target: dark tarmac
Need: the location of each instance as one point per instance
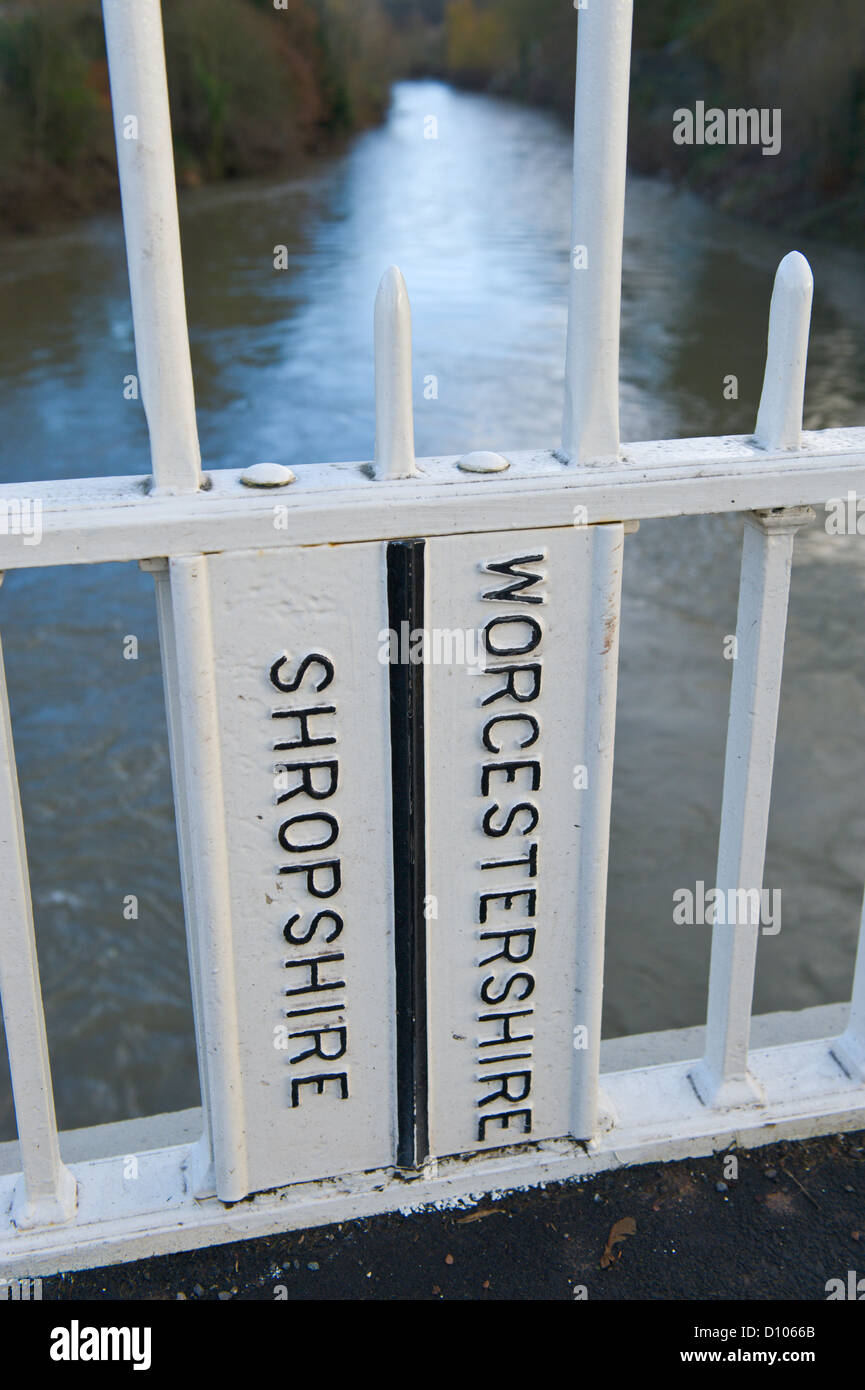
(793, 1219)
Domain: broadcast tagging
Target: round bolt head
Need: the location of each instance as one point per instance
(267, 475)
(483, 462)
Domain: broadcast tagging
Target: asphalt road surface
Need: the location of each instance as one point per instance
(791, 1220)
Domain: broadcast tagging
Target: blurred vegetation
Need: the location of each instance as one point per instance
(253, 88)
(806, 59)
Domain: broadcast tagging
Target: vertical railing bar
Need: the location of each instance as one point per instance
(591, 415)
(142, 125)
(722, 1078)
(139, 90)
(849, 1049)
(201, 1175)
(595, 808)
(46, 1191)
(590, 431)
(208, 886)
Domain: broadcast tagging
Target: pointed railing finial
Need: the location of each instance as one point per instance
(394, 415)
(779, 420)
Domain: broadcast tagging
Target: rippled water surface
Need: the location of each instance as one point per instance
(479, 223)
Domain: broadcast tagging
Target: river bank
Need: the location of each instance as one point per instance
(259, 91)
(787, 57)
(255, 89)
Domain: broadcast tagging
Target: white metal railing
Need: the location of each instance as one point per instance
(204, 543)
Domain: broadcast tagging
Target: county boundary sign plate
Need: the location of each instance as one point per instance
(516, 761)
(301, 982)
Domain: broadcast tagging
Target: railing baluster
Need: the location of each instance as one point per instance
(849, 1049)
(591, 418)
(205, 858)
(46, 1192)
(200, 1172)
(722, 1078)
(590, 431)
(139, 92)
(589, 1106)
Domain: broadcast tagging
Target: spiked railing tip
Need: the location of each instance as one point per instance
(779, 420)
(394, 415)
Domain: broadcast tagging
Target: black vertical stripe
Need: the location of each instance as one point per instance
(405, 595)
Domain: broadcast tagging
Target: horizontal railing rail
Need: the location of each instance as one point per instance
(100, 520)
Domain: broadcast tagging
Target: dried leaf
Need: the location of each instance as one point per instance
(627, 1226)
(479, 1215)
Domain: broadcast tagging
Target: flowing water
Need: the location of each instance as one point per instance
(478, 220)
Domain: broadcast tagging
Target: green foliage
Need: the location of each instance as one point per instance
(479, 39)
(665, 21)
(252, 88)
(355, 43)
(806, 59)
(522, 46)
(45, 68)
(231, 93)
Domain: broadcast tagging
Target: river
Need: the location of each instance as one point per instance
(478, 220)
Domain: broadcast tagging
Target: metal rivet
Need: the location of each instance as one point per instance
(483, 462)
(267, 475)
